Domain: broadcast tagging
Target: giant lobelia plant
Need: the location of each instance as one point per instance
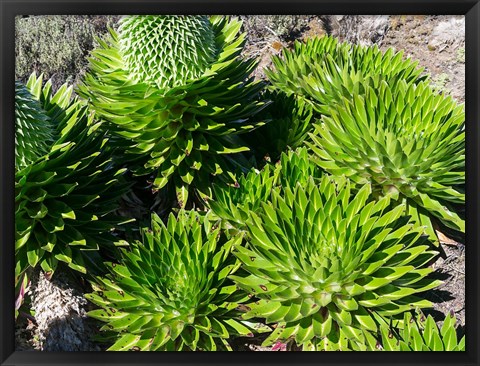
(171, 291)
(308, 80)
(326, 268)
(33, 129)
(407, 141)
(176, 94)
(65, 186)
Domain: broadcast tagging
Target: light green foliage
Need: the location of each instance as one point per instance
(171, 291)
(63, 199)
(420, 333)
(407, 141)
(32, 126)
(439, 83)
(56, 45)
(322, 70)
(311, 78)
(461, 55)
(184, 133)
(297, 168)
(178, 48)
(326, 266)
(233, 203)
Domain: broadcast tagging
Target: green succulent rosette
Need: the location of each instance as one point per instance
(322, 70)
(167, 50)
(65, 187)
(232, 203)
(419, 333)
(176, 95)
(326, 268)
(407, 141)
(171, 291)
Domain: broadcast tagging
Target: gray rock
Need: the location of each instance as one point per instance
(448, 32)
(60, 314)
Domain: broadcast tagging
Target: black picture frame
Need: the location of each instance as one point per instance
(10, 8)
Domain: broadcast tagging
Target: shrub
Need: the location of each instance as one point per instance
(56, 45)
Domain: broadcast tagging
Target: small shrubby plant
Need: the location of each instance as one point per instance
(56, 45)
(283, 27)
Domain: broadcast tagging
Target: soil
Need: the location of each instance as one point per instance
(438, 43)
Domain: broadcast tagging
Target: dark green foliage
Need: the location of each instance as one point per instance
(290, 120)
(33, 128)
(65, 197)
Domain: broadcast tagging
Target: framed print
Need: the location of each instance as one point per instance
(218, 177)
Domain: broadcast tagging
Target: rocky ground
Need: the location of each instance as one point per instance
(437, 42)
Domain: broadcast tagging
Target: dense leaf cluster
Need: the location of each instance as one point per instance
(305, 205)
